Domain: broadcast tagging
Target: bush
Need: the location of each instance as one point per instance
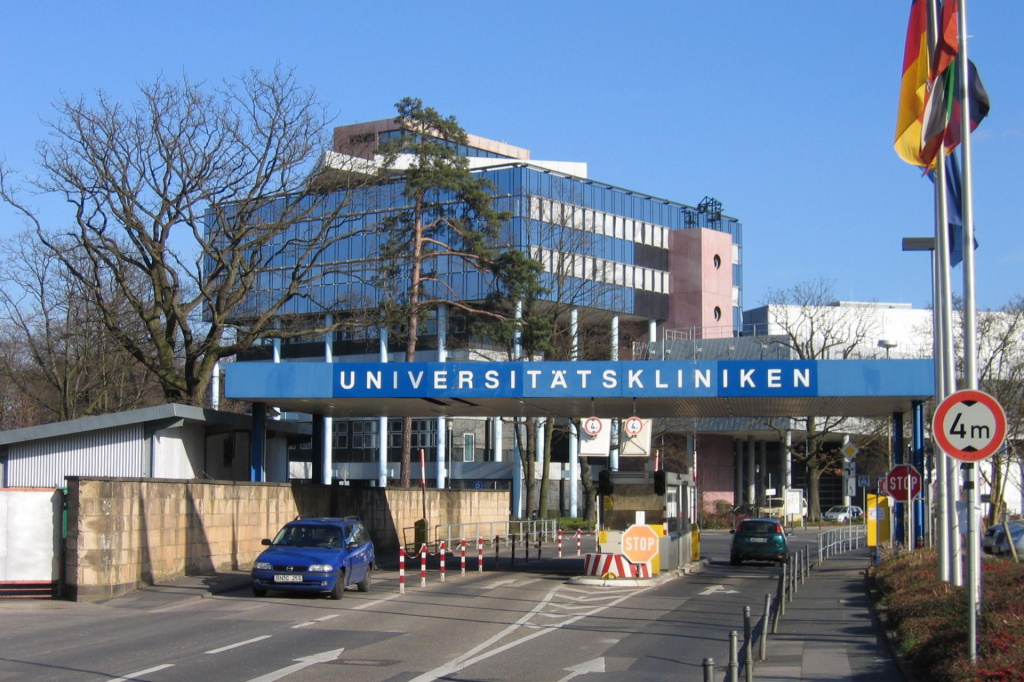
(930, 618)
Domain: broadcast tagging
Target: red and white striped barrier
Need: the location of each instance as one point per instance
(579, 537)
(559, 543)
(480, 555)
(443, 551)
(608, 565)
(401, 570)
(423, 565)
(462, 568)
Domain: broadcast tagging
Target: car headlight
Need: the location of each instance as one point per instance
(263, 566)
(321, 568)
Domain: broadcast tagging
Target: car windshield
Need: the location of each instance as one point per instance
(836, 510)
(758, 528)
(309, 536)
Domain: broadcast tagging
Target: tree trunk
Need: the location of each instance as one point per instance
(589, 490)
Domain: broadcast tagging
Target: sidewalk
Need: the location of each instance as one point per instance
(829, 631)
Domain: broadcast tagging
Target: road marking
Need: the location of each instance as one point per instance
(594, 666)
(315, 621)
(238, 644)
(714, 589)
(304, 662)
(132, 676)
(509, 583)
(368, 604)
(471, 657)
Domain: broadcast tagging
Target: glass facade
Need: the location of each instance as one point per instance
(606, 244)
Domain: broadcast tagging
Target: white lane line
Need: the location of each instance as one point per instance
(238, 644)
(368, 604)
(304, 662)
(315, 621)
(132, 676)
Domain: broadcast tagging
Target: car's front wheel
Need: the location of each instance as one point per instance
(735, 560)
(338, 591)
(259, 591)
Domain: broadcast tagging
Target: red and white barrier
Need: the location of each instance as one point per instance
(401, 570)
(423, 565)
(579, 538)
(462, 568)
(559, 543)
(608, 565)
(443, 550)
(480, 555)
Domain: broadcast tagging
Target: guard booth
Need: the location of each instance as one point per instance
(662, 500)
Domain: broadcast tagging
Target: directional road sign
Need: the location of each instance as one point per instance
(903, 483)
(969, 425)
(640, 544)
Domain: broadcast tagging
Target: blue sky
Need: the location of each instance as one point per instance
(783, 111)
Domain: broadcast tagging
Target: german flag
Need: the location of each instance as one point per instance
(914, 85)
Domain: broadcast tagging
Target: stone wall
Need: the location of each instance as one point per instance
(127, 533)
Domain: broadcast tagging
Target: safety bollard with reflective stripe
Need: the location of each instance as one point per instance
(423, 565)
(401, 570)
(443, 551)
(559, 543)
(480, 555)
(462, 567)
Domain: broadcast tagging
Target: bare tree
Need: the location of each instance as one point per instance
(196, 213)
(809, 321)
(69, 364)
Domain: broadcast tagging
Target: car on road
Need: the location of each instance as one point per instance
(759, 540)
(321, 554)
(843, 514)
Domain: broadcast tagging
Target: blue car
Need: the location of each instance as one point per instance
(316, 555)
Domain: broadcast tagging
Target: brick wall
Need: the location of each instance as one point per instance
(127, 533)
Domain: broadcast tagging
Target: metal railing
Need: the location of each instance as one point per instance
(541, 530)
(839, 540)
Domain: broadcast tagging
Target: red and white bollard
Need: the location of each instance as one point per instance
(401, 570)
(443, 550)
(559, 543)
(579, 536)
(423, 565)
(462, 568)
(479, 555)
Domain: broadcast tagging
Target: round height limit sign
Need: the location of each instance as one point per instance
(969, 425)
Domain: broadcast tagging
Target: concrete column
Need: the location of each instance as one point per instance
(539, 455)
(846, 498)
(257, 443)
(613, 454)
(574, 331)
(382, 453)
(737, 447)
(898, 457)
(517, 343)
(787, 460)
(517, 480)
(749, 469)
(691, 455)
(763, 480)
(215, 387)
(327, 470)
(318, 448)
(442, 426)
(652, 336)
(497, 438)
(574, 470)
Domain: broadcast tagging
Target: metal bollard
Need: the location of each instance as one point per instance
(513, 550)
(401, 570)
(803, 565)
(764, 627)
(807, 560)
(782, 590)
(734, 657)
(579, 540)
(748, 664)
(559, 543)
(479, 554)
(423, 565)
(497, 549)
(462, 567)
(709, 670)
(442, 550)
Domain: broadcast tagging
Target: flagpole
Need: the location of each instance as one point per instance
(970, 330)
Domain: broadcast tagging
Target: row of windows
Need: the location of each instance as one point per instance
(460, 149)
(598, 222)
(600, 270)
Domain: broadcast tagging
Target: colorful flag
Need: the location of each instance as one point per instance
(947, 46)
(914, 85)
(942, 115)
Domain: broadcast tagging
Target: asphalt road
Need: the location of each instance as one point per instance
(496, 625)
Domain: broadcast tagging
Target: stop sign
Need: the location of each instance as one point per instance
(896, 482)
(640, 544)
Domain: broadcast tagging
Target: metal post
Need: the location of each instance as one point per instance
(709, 670)
(764, 626)
(734, 657)
(748, 664)
(401, 570)
(782, 590)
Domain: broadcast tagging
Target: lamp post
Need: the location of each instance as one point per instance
(887, 345)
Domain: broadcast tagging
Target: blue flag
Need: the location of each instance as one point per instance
(953, 213)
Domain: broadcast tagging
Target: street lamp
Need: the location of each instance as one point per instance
(887, 345)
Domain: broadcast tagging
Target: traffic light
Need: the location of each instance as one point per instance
(604, 483)
(659, 482)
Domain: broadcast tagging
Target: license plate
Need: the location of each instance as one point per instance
(759, 539)
(287, 578)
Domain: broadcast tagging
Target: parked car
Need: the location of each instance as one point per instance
(1001, 546)
(775, 508)
(843, 514)
(316, 555)
(759, 539)
(988, 539)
